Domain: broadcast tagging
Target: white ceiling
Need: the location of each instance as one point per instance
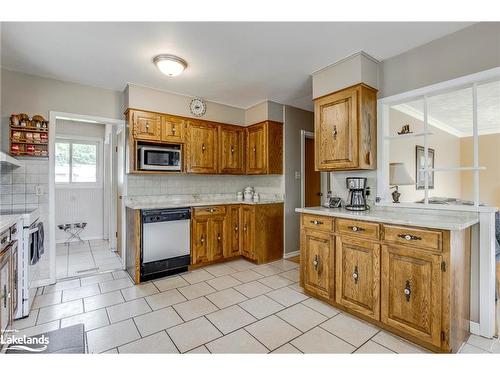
(452, 111)
(239, 64)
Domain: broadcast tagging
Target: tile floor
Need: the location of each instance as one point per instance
(234, 307)
(86, 257)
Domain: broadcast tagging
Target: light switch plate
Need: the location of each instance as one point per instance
(297, 175)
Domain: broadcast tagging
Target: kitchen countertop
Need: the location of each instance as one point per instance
(7, 221)
(428, 218)
(149, 204)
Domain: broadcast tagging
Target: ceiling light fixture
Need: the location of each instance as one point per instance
(170, 65)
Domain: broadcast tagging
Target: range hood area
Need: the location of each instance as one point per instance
(8, 161)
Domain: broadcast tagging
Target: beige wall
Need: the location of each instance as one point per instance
(489, 179)
(295, 121)
(24, 93)
(266, 110)
(473, 49)
(447, 154)
(141, 97)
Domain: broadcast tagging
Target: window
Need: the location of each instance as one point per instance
(77, 162)
(447, 139)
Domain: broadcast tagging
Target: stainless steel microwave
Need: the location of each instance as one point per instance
(156, 158)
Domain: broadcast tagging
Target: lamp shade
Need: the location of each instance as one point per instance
(398, 175)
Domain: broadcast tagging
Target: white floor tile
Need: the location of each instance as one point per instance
(197, 276)
(96, 279)
(287, 296)
(302, 317)
(287, 349)
(91, 320)
(157, 343)
(240, 264)
(103, 300)
(194, 308)
(127, 310)
(218, 270)
(261, 306)
(252, 289)
(237, 342)
(396, 344)
(352, 330)
(275, 281)
(112, 336)
(165, 299)
(138, 291)
(481, 342)
(371, 347)
(266, 270)
(223, 282)
(81, 292)
(63, 310)
(471, 349)
(226, 297)
(284, 265)
(272, 332)
(157, 320)
(321, 307)
(27, 322)
(199, 350)
(62, 285)
(192, 334)
(39, 329)
(318, 340)
(170, 283)
(230, 319)
(292, 275)
(246, 276)
(196, 290)
(121, 274)
(109, 286)
(47, 299)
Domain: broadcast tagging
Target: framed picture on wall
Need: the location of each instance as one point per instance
(420, 163)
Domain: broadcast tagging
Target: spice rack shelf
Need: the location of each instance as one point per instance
(29, 136)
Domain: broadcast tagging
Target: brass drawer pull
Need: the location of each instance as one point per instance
(316, 262)
(235, 228)
(218, 237)
(202, 240)
(316, 222)
(245, 228)
(203, 148)
(355, 275)
(407, 291)
(409, 237)
(334, 131)
(354, 228)
(232, 149)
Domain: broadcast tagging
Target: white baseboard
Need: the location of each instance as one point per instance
(475, 328)
(291, 254)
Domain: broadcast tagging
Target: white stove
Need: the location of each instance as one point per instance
(30, 245)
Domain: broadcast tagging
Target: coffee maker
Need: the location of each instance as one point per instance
(356, 200)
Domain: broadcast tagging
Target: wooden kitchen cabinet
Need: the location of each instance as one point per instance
(208, 234)
(217, 237)
(146, 126)
(317, 262)
(201, 147)
(234, 231)
(264, 148)
(248, 232)
(199, 240)
(173, 129)
(231, 149)
(357, 275)
(345, 128)
(411, 292)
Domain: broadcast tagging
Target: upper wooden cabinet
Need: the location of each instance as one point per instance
(146, 126)
(231, 149)
(345, 127)
(264, 146)
(201, 147)
(173, 129)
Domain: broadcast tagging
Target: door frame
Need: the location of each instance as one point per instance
(119, 125)
(310, 135)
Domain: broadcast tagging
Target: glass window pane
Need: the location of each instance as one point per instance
(84, 163)
(62, 162)
(488, 113)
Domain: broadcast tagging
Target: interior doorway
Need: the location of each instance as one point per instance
(312, 181)
(86, 174)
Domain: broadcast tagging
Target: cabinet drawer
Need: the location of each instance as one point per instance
(358, 228)
(209, 211)
(423, 238)
(317, 222)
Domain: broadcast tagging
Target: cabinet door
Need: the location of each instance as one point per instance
(358, 275)
(146, 126)
(231, 150)
(336, 131)
(317, 262)
(200, 241)
(256, 150)
(202, 148)
(5, 305)
(234, 230)
(172, 129)
(247, 241)
(411, 292)
(217, 238)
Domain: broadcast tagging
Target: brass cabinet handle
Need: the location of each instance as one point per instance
(232, 149)
(355, 275)
(245, 227)
(316, 262)
(210, 210)
(173, 130)
(202, 240)
(218, 237)
(235, 228)
(409, 237)
(254, 149)
(407, 291)
(316, 222)
(147, 125)
(354, 228)
(203, 147)
(334, 131)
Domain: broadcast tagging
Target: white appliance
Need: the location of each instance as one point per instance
(155, 158)
(166, 245)
(30, 250)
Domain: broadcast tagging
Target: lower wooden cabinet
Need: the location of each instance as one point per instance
(317, 262)
(358, 275)
(217, 237)
(208, 237)
(411, 292)
(234, 231)
(248, 234)
(199, 240)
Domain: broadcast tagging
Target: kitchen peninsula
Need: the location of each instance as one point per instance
(406, 270)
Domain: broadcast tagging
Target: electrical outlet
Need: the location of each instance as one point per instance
(38, 190)
(297, 175)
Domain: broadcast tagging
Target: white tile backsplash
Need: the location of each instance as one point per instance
(339, 189)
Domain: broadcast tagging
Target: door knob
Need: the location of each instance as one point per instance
(407, 291)
(355, 275)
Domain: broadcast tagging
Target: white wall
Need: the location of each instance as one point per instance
(77, 205)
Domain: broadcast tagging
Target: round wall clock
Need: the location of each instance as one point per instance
(198, 107)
